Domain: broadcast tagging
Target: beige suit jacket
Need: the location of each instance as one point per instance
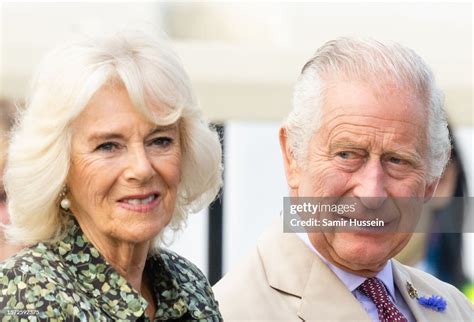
(284, 280)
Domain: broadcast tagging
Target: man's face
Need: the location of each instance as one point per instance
(369, 144)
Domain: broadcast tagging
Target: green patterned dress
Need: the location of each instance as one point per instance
(70, 281)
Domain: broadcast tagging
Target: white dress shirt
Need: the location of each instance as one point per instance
(352, 282)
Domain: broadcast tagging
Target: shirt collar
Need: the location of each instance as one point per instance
(350, 280)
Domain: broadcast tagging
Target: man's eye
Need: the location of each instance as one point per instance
(162, 141)
(346, 155)
(398, 162)
(395, 160)
(107, 147)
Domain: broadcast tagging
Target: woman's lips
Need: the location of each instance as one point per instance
(142, 204)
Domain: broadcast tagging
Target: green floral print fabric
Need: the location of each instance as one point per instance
(70, 281)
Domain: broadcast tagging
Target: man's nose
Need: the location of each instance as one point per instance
(370, 188)
(139, 167)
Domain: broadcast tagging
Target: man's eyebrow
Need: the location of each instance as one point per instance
(346, 144)
(105, 136)
(415, 157)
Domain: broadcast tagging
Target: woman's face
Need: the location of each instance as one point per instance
(124, 170)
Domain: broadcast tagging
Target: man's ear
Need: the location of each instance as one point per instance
(292, 171)
(430, 190)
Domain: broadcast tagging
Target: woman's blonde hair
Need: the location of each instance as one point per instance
(39, 152)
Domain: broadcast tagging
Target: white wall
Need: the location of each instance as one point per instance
(254, 185)
(192, 241)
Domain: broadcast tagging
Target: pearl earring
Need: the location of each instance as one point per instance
(65, 202)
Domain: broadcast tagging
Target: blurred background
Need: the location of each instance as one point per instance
(243, 59)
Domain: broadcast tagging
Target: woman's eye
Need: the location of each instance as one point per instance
(162, 141)
(107, 147)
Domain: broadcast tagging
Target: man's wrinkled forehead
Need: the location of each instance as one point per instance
(381, 89)
(358, 107)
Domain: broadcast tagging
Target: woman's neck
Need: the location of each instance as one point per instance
(128, 259)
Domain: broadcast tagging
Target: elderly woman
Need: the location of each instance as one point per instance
(110, 152)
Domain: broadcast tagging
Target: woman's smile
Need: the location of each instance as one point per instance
(140, 203)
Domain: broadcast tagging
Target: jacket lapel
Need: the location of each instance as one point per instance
(286, 260)
(401, 277)
(327, 298)
(291, 267)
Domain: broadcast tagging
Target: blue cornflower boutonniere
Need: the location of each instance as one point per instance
(434, 302)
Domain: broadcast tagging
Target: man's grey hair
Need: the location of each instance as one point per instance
(372, 62)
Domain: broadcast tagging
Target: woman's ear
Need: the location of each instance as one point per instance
(292, 170)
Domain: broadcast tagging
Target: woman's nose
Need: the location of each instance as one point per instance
(139, 167)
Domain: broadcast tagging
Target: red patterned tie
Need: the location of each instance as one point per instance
(375, 290)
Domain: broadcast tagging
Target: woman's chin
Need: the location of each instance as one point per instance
(137, 234)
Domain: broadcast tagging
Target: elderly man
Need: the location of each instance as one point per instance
(367, 123)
